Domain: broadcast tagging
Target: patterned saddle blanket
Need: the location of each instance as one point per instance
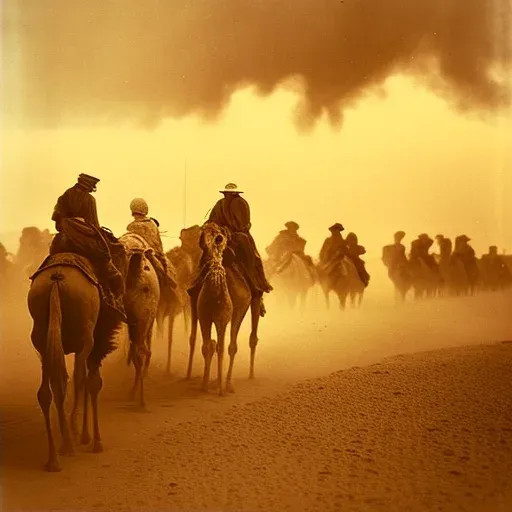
(84, 265)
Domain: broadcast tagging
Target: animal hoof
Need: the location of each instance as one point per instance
(52, 466)
(86, 439)
(98, 447)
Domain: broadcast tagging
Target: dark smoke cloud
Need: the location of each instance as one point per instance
(150, 59)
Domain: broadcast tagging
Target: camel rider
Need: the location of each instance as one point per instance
(420, 251)
(147, 228)
(79, 231)
(286, 243)
(354, 252)
(445, 247)
(333, 249)
(465, 253)
(495, 265)
(233, 212)
(394, 255)
(6, 266)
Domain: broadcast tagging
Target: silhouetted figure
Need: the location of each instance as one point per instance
(32, 250)
(354, 251)
(420, 250)
(496, 273)
(79, 231)
(233, 212)
(286, 243)
(466, 254)
(394, 255)
(147, 228)
(6, 268)
(445, 247)
(333, 248)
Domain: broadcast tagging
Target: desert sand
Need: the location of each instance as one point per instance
(392, 408)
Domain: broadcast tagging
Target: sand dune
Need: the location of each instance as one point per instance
(419, 431)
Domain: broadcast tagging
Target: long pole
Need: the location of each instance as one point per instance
(185, 196)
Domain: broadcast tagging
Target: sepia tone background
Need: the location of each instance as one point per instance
(402, 123)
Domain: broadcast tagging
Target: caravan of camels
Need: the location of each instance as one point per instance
(86, 283)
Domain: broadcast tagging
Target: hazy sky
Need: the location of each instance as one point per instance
(404, 157)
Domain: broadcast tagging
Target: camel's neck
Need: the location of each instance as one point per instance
(215, 278)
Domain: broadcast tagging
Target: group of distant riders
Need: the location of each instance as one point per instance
(395, 259)
(79, 231)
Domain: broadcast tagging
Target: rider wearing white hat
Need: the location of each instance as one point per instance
(147, 228)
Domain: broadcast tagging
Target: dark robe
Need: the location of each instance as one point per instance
(394, 255)
(76, 202)
(284, 243)
(233, 212)
(332, 246)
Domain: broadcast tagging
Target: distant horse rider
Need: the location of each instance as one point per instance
(286, 243)
(147, 228)
(233, 212)
(79, 231)
(354, 252)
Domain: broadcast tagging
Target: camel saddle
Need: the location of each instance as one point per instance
(85, 266)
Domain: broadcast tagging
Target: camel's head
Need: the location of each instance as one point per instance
(214, 240)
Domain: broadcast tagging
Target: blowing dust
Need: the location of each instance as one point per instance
(335, 51)
(295, 346)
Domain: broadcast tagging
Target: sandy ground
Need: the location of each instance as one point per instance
(417, 431)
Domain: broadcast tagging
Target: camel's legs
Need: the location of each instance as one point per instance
(86, 438)
(44, 397)
(253, 339)
(170, 333)
(59, 389)
(221, 336)
(186, 316)
(343, 300)
(326, 295)
(137, 359)
(94, 385)
(193, 336)
(208, 350)
(236, 322)
(149, 340)
(79, 376)
(303, 297)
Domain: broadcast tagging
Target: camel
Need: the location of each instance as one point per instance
(178, 301)
(400, 276)
(293, 280)
(222, 297)
(141, 299)
(70, 318)
(456, 278)
(343, 279)
(425, 281)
